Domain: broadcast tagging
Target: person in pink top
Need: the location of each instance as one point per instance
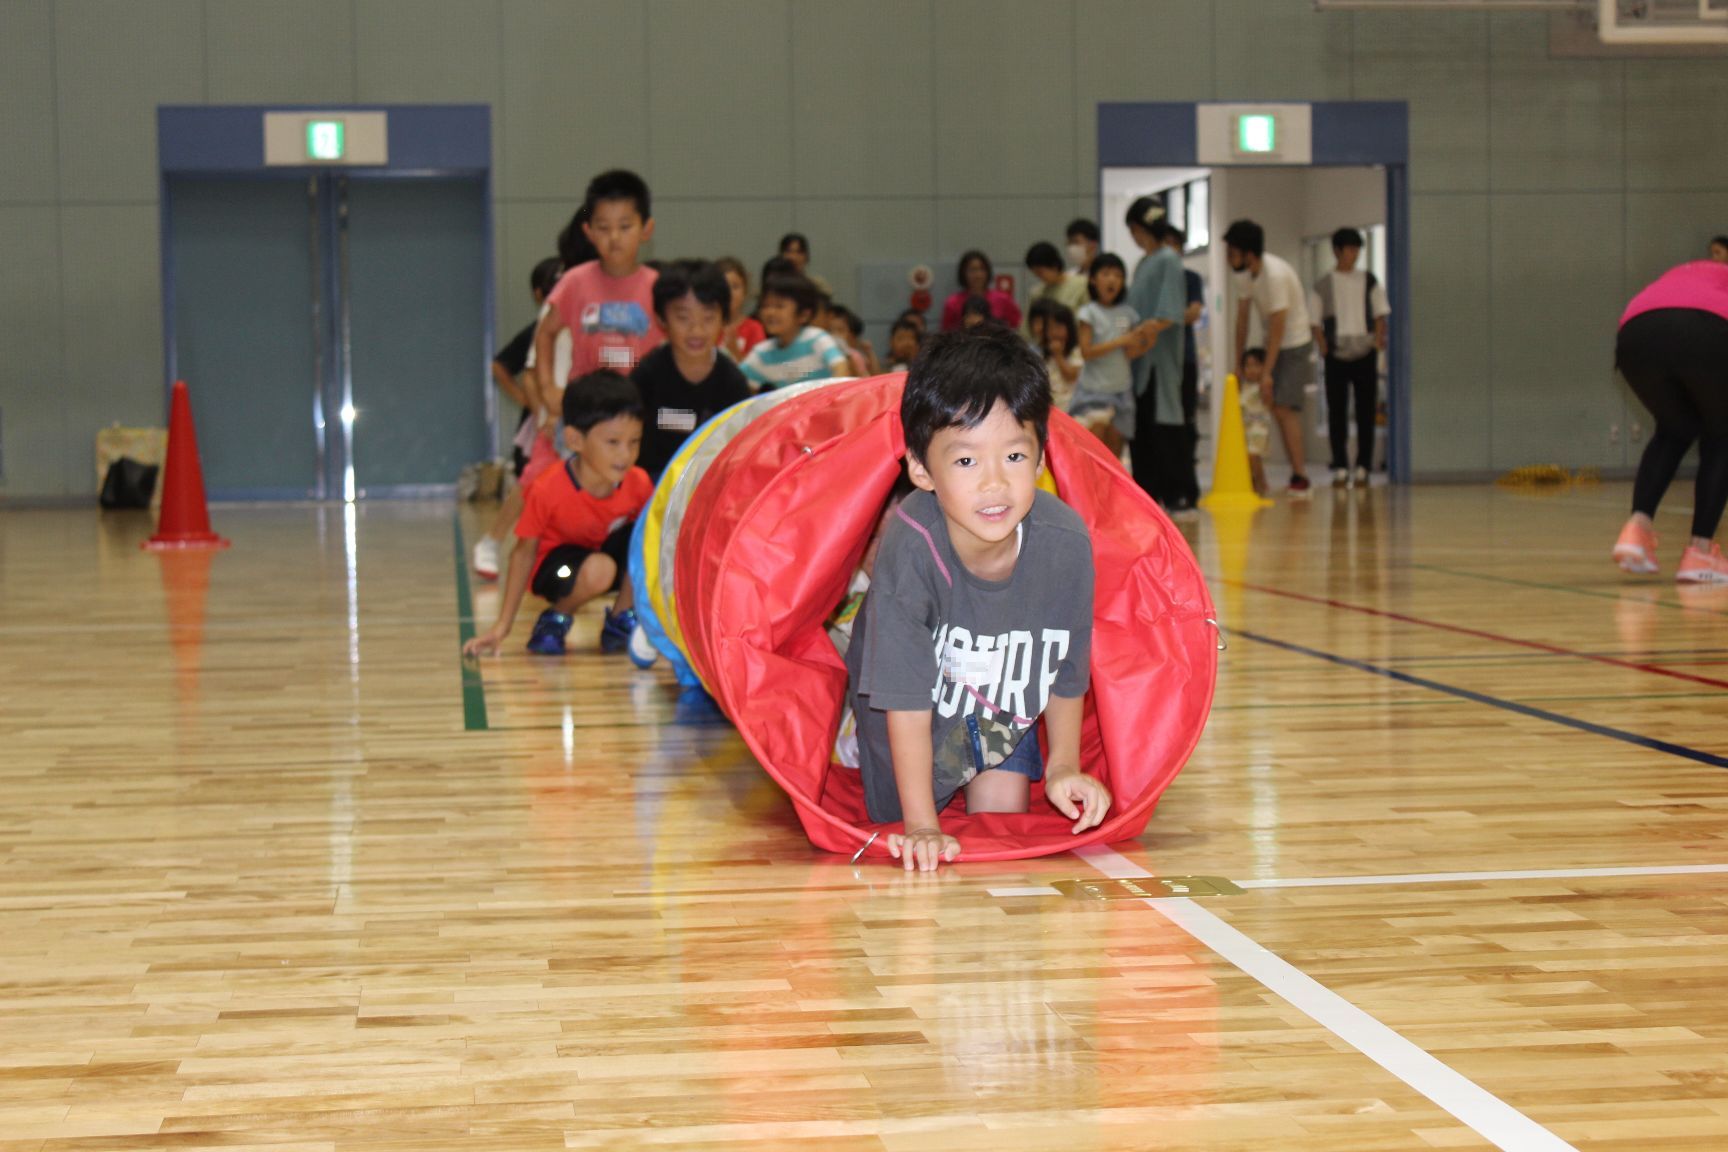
(1673, 352)
(976, 273)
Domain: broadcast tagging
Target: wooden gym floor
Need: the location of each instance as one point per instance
(276, 873)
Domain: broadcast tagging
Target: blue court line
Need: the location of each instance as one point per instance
(1620, 734)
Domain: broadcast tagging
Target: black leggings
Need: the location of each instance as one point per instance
(1163, 454)
(1344, 379)
(1676, 361)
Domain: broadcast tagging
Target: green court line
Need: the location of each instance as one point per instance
(1573, 589)
(473, 688)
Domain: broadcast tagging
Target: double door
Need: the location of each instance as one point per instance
(333, 330)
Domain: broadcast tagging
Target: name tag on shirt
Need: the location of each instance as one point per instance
(677, 420)
(973, 668)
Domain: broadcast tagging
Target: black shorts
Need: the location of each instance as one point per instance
(1676, 360)
(556, 576)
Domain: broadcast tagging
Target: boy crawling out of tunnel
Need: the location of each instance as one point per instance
(978, 620)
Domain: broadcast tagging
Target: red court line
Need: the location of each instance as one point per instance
(1652, 669)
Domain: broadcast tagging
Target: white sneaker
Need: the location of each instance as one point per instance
(486, 558)
(1360, 477)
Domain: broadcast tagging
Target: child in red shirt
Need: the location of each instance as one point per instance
(573, 539)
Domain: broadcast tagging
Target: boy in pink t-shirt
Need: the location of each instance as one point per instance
(607, 306)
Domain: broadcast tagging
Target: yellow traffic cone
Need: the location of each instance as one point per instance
(1232, 485)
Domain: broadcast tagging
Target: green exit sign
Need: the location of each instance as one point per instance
(324, 140)
(1257, 133)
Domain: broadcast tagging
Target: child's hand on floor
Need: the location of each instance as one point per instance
(922, 849)
(1081, 798)
(486, 644)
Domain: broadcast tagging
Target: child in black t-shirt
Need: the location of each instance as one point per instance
(979, 616)
(686, 381)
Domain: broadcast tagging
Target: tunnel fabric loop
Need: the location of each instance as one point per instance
(770, 538)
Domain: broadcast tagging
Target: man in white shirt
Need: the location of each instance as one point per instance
(1271, 286)
(1349, 309)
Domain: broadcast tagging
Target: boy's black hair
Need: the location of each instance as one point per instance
(1040, 309)
(798, 238)
(1254, 354)
(854, 322)
(1062, 314)
(619, 184)
(1722, 240)
(1246, 236)
(1044, 255)
(697, 278)
(910, 314)
(960, 375)
(574, 247)
(544, 278)
(805, 296)
(1083, 228)
(976, 306)
(905, 325)
(1144, 212)
(1100, 262)
(966, 258)
(599, 397)
(778, 266)
(733, 264)
(1159, 230)
(1346, 238)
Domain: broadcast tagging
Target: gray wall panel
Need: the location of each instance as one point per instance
(1552, 325)
(1004, 98)
(1439, 63)
(720, 98)
(1555, 124)
(265, 51)
(575, 94)
(113, 317)
(1676, 122)
(1451, 308)
(32, 395)
(1130, 50)
(114, 62)
(863, 121)
(27, 112)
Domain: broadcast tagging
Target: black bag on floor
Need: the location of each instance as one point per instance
(128, 484)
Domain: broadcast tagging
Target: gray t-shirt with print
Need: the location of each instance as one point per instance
(932, 636)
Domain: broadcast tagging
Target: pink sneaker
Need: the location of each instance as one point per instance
(1635, 551)
(1700, 567)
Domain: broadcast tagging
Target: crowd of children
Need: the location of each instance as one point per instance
(629, 357)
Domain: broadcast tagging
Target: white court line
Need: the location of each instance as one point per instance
(1470, 1104)
(1429, 878)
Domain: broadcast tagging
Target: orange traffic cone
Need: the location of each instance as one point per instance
(185, 521)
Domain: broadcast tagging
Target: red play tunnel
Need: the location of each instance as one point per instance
(771, 537)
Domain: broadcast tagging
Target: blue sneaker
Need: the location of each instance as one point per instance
(615, 633)
(549, 633)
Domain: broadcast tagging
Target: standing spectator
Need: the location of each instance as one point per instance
(743, 331)
(1065, 288)
(1103, 398)
(1196, 293)
(1163, 460)
(1083, 240)
(975, 275)
(795, 247)
(1270, 285)
(1719, 249)
(1348, 309)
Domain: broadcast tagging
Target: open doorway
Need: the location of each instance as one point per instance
(1351, 173)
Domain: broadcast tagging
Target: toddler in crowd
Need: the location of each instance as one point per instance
(1256, 420)
(1062, 355)
(1103, 397)
(975, 310)
(573, 538)
(978, 621)
(903, 341)
(743, 331)
(795, 350)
